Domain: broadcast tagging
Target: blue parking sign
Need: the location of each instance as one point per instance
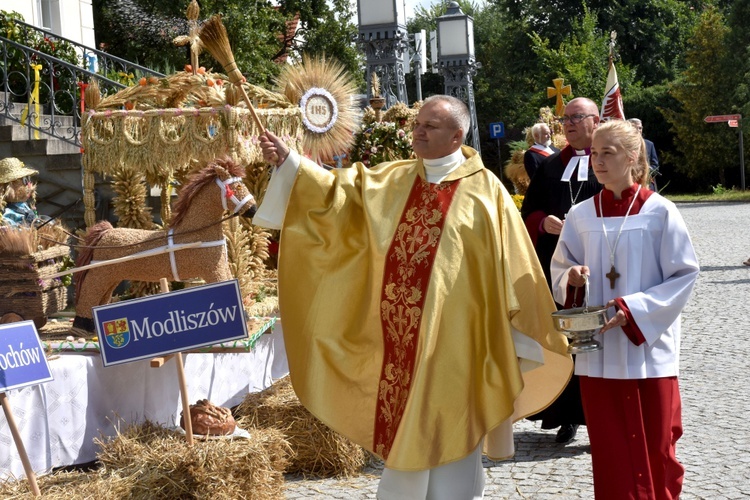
(497, 130)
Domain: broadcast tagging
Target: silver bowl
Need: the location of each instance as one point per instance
(580, 324)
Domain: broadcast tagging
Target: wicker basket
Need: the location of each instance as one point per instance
(25, 286)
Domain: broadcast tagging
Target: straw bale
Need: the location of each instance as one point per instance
(163, 466)
(318, 451)
(94, 485)
(150, 462)
(56, 328)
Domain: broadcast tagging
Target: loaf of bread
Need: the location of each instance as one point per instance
(209, 419)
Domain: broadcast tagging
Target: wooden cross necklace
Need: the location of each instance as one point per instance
(613, 274)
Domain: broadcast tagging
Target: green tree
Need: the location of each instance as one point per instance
(648, 104)
(523, 44)
(651, 33)
(326, 27)
(425, 18)
(739, 44)
(705, 151)
(509, 86)
(142, 31)
(582, 58)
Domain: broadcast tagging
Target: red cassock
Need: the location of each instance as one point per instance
(630, 393)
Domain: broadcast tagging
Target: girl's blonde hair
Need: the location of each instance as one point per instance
(630, 139)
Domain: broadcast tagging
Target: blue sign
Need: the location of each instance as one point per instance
(170, 322)
(22, 359)
(497, 130)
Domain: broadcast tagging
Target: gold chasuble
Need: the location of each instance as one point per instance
(398, 298)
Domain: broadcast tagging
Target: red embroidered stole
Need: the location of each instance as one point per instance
(408, 267)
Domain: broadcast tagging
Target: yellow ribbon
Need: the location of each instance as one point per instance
(128, 78)
(33, 99)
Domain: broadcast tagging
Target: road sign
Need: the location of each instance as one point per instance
(732, 121)
(497, 130)
(721, 118)
(170, 322)
(23, 362)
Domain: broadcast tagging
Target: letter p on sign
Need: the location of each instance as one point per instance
(497, 130)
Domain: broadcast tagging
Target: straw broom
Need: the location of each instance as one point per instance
(213, 34)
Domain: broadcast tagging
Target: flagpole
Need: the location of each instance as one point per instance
(612, 102)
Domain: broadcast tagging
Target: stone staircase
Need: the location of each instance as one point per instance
(59, 187)
(59, 183)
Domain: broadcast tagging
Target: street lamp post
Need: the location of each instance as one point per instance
(384, 40)
(418, 60)
(455, 34)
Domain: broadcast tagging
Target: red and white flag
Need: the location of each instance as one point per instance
(612, 102)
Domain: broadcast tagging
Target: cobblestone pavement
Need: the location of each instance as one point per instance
(715, 386)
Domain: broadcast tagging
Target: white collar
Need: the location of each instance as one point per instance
(581, 160)
(441, 167)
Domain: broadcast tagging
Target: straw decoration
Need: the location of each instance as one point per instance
(329, 76)
(92, 94)
(192, 39)
(214, 37)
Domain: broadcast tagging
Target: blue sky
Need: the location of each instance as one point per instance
(412, 4)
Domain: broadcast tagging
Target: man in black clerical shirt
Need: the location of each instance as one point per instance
(561, 181)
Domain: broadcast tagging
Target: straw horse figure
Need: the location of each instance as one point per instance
(196, 217)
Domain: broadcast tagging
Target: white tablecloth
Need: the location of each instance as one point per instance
(58, 420)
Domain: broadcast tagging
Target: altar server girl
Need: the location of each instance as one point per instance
(632, 245)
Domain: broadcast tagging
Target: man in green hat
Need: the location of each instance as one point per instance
(17, 193)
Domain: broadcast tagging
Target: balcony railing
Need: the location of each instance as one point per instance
(92, 59)
(43, 92)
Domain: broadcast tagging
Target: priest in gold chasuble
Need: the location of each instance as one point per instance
(415, 312)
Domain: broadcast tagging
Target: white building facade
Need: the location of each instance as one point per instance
(72, 19)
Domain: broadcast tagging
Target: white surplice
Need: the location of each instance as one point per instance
(658, 268)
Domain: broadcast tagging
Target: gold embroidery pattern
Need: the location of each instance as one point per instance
(407, 274)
